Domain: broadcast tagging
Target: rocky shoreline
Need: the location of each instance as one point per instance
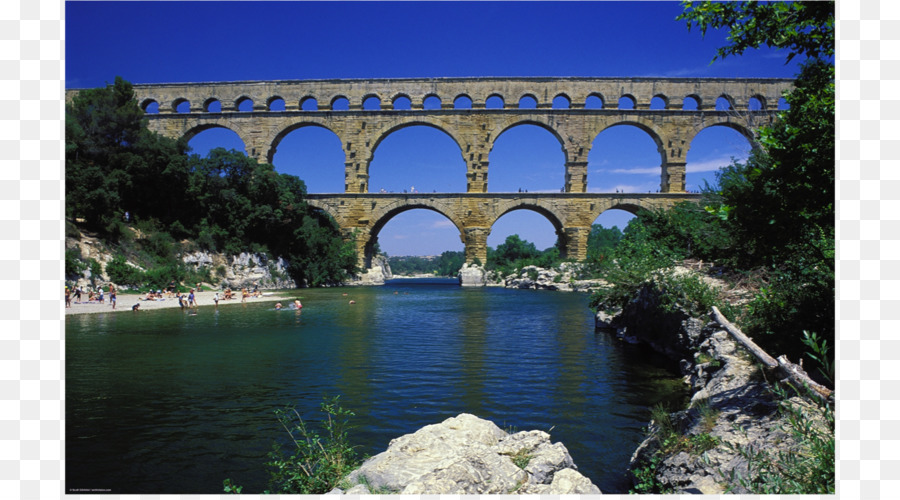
(732, 407)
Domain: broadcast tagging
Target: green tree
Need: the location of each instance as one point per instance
(779, 204)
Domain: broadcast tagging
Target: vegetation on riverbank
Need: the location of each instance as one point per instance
(769, 224)
(147, 195)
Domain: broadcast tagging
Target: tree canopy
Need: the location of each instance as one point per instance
(118, 173)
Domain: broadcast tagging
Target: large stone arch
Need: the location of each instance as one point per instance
(200, 127)
(541, 208)
(285, 131)
(655, 135)
(383, 214)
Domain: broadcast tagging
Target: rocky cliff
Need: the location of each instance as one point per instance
(732, 408)
(469, 455)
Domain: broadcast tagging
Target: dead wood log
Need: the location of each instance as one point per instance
(792, 372)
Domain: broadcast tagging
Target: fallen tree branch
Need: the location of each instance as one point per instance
(792, 372)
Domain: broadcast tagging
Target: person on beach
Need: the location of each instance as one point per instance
(78, 295)
(112, 296)
(216, 299)
(191, 301)
(180, 299)
(100, 298)
(136, 307)
(68, 298)
(244, 294)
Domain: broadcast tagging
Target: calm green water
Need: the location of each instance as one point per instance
(169, 402)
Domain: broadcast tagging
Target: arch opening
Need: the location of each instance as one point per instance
(561, 102)
(276, 104)
(372, 103)
(419, 158)
(691, 103)
(202, 140)
(593, 101)
(315, 155)
(415, 230)
(340, 103)
(527, 158)
(309, 104)
(626, 102)
(245, 105)
(528, 102)
(462, 102)
(723, 103)
(659, 102)
(182, 106)
(494, 102)
(756, 103)
(526, 232)
(402, 102)
(624, 158)
(150, 107)
(212, 105)
(714, 148)
(432, 102)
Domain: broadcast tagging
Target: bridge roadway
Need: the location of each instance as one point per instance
(361, 216)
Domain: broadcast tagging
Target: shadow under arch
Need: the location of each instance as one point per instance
(381, 217)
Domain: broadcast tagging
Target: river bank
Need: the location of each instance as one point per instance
(126, 301)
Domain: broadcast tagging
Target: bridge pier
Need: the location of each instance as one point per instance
(576, 239)
(673, 177)
(475, 240)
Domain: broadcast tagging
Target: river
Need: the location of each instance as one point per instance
(163, 401)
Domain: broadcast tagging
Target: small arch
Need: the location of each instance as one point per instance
(212, 105)
(593, 101)
(691, 103)
(757, 103)
(562, 101)
(528, 101)
(150, 106)
(627, 101)
(309, 103)
(402, 101)
(276, 103)
(783, 105)
(372, 103)
(244, 104)
(340, 103)
(724, 103)
(659, 101)
(431, 102)
(462, 101)
(495, 101)
(182, 105)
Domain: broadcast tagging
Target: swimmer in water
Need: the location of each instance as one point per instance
(298, 305)
(353, 302)
(278, 306)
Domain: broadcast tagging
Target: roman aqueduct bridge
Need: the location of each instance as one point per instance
(473, 112)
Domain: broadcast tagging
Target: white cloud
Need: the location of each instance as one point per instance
(711, 165)
(442, 224)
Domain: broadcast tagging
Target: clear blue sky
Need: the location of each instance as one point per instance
(154, 42)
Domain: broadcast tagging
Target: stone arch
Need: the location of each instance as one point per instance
(527, 95)
(274, 99)
(339, 98)
(413, 123)
(697, 101)
(178, 102)
(662, 97)
(397, 97)
(555, 220)
(434, 96)
(193, 131)
(763, 105)
(734, 125)
(242, 99)
(728, 99)
(380, 217)
(307, 99)
(210, 102)
(499, 98)
(655, 135)
(531, 121)
(146, 103)
(273, 146)
(463, 95)
(560, 98)
(598, 95)
(368, 96)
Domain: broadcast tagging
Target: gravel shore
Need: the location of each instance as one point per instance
(124, 302)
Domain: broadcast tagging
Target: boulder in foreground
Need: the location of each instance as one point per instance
(469, 455)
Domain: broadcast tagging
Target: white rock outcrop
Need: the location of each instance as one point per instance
(469, 455)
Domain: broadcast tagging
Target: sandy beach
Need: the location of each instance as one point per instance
(124, 302)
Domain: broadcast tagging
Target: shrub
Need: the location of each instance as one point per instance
(121, 273)
(319, 461)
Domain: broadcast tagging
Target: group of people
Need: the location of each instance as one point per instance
(77, 292)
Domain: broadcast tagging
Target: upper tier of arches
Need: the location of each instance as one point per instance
(754, 94)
